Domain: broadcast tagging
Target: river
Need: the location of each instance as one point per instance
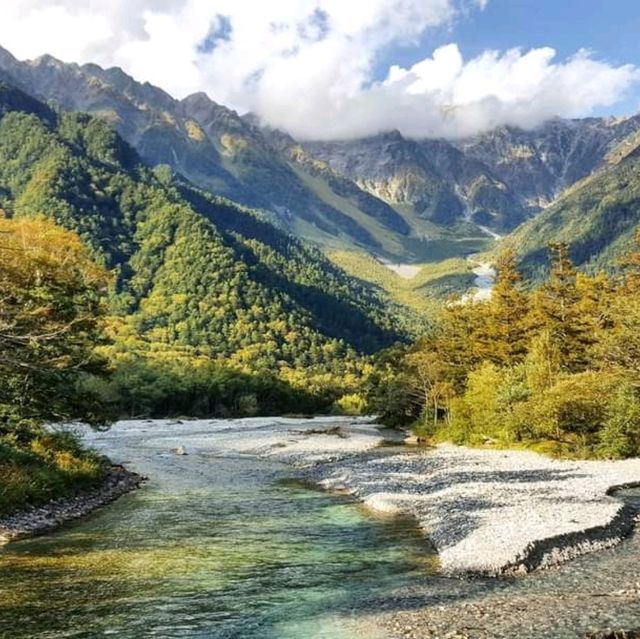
(214, 545)
(222, 545)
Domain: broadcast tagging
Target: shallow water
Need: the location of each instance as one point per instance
(220, 545)
(212, 546)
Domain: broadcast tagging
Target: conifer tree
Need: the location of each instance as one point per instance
(454, 341)
(556, 309)
(502, 336)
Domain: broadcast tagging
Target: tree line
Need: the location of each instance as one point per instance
(555, 367)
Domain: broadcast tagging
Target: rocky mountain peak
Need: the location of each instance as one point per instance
(215, 118)
(354, 188)
(198, 100)
(7, 58)
(47, 60)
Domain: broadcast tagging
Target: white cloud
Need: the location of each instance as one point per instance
(307, 65)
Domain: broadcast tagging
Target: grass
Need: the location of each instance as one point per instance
(423, 293)
(445, 248)
(47, 466)
(387, 238)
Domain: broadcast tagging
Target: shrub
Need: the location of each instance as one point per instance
(620, 436)
(52, 465)
(352, 404)
(575, 407)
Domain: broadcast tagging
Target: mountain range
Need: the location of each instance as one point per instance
(192, 272)
(398, 199)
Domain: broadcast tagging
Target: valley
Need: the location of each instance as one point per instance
(402, 200)
(271, 382)
(248, 547)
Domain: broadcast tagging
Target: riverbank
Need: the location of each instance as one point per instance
(493, 512)
(487, 512)
(46, 518)
(240, 547)
(591, 597)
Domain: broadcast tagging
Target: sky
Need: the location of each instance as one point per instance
(327, 69)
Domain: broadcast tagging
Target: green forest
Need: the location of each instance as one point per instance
(552, 367)
(212, 310)
(128, 292)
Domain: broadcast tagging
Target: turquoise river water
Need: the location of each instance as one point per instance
(220, 546)
(212, 546)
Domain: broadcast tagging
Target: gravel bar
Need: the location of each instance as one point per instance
(42, 519)
(494, 512)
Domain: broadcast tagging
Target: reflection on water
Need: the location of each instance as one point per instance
(211, 547)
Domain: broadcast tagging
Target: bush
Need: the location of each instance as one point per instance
(620, 436)
(574, 408)
(352, 404)
(492, 407)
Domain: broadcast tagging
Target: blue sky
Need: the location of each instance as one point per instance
(611, 30)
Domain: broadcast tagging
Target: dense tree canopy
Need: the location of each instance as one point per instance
(555, 366)
(193, 275)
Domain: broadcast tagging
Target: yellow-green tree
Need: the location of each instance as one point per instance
(50, 322)
(556, 310)
(503, 336)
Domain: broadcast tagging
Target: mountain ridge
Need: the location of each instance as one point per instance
(192, 271)
(396, 198)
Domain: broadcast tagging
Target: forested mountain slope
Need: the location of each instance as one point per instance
(597, 218)
(192, 271)
(214, 148)
(400, 199)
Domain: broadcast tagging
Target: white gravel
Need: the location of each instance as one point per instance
(486, 511)
(490, 511)
(291, 440)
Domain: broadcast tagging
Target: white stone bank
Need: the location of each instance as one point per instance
(486, 511)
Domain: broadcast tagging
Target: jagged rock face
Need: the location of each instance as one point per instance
(537, 165)
(146, 116)
(386, 165)
(500, 178)
(366, 192)
(395, 170)
(434, 177)
(598, 218)
(208, 143)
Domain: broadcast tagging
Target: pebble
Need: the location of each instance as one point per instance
(37, 520)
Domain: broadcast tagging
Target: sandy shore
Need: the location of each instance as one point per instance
(48, 517)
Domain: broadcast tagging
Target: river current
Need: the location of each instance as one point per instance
(213, 546)
(221, 546)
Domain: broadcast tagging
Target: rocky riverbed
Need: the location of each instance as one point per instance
(487, 512)
(592, 597)
(33, 521)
